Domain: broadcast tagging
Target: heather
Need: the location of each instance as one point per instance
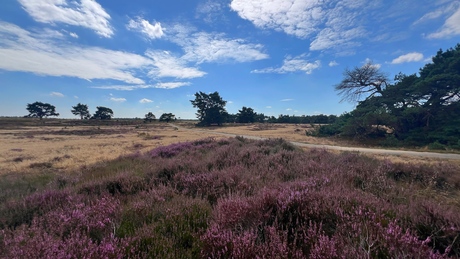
(234, 198)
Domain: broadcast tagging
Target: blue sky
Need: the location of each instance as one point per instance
(275, 56)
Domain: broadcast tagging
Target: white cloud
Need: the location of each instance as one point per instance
(74, 35)
(152, 31)
(163, 85)
(287, 100)
(451, 27)
(368, 60)
(21, 50)
(268, 107)
(409, 57)
(122, 87)
(332, 23)
(442, 11)
(330, 38)
(333, 63)
(145, 100)
(171, 85)
(84, 13)
(203, 47)
(118, 100)
(76, 97)
(210, 11)
(56, 94)
(291, 65)
(167, 65)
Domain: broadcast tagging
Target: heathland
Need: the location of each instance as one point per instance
(128, 189)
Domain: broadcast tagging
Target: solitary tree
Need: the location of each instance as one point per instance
(167, 117)
(40, 110)
(81, 110)
(246, 115)
(149, 117)
(103, 113)
(211, 108)
(366, 80)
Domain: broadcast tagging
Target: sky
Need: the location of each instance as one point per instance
(275, 56)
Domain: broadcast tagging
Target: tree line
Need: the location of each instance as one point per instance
(43, 110)
(211, 111)
(418, 109)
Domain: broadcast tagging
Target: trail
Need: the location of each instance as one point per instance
(339, 148)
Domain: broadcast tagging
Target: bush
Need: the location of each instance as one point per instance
(237, 198)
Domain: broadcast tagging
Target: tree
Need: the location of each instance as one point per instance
(103, 113)
(366, 80)
(149, 117)
(40, 110)
(246, 115)
(167, 117)
(81, 110)
(211, 108)
(417, 109)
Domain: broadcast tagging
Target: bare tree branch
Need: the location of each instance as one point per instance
(361, 80)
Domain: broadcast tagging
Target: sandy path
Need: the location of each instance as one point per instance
(339, 148)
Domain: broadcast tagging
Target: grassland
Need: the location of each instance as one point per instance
(127, 189)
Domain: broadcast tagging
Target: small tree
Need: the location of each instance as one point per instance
(103, 113)
(246, 115)
(149, 117)
(40, 110)
(211, 108)
(81, 110)
(366, 80)
(167, 117)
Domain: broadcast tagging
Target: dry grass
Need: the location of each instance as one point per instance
(31, 148)
(28, 148)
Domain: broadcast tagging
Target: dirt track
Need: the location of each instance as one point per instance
(339, 148)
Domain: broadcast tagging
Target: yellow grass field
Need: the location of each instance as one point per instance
(32, 147)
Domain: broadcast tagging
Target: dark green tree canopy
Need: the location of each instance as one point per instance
(211, 108)
(81, 110)
(103, 113)
(149, 117)
(167, 117)
(40, 110)
(417, 109)
(246, 115)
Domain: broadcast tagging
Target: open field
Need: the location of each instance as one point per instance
(128, 189)
(229, 198)
(68, 147)
(28, 144)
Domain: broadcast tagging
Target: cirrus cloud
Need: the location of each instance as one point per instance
(330, 23)
(84, 13)
(203, 47)
(22, 50)
(451, 27)
(291, 65)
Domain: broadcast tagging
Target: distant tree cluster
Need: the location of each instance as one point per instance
(417, 109)
(211, 110)
(42, 110)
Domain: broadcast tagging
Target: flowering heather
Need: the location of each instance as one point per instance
(238, 198)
